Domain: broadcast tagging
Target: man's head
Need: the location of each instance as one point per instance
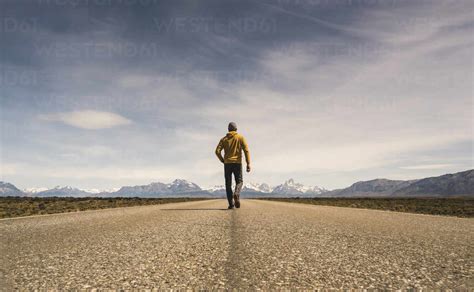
(232, 126)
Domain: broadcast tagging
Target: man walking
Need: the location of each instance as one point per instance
(233, 145)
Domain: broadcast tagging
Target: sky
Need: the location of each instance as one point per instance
(106, 93)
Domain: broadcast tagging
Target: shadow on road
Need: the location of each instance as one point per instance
(194, 209)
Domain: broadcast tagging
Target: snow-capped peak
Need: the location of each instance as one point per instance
(248, 186)
(92, 191)
(294, 185)
(182, 182)
(290, 187)
(216, 188)
(183, 185)
(35, 190)
(260, 187)
(63, 188)
(110, 190)
(290, 182)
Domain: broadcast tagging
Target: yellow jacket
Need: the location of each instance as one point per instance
(233, 144)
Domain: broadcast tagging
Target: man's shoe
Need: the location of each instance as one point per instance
(237, 201)
(230, 207)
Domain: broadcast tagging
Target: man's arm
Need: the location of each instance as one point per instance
(219, 150)
(245, 148)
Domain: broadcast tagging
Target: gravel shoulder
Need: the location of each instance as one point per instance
(262, 245)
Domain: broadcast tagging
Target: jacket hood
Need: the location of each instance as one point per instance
(231, 134)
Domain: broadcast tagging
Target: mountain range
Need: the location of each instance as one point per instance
(9, 190)
(448, 185)
(457, 184)
(179, 187)
(290, 188)
(59, 191)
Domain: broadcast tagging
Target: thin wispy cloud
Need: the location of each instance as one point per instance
(88, 119)
(428, 166)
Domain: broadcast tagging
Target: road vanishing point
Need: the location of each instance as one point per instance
(262, 245)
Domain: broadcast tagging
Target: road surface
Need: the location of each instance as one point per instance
(262, 245)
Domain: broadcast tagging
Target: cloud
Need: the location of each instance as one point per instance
(9, 168)
(341, 93)
(428, 166)
(122, 174)
(87, 119)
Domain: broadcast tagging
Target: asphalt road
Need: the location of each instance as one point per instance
(262, 245)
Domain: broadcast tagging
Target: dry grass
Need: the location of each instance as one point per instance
(459, 206)
(27, 206)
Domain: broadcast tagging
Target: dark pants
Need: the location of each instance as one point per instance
(236, 169)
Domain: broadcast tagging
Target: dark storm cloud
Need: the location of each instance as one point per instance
(44, 40)
(211, 35)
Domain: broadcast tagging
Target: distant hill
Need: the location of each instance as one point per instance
(375, 188)
(9, 190)
(457, 184)
(461, 183)
(178, 188)
(66, 191)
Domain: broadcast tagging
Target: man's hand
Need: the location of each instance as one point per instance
(248, 168)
